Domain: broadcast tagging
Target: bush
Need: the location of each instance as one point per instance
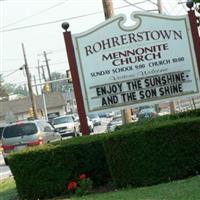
(44, 172)
(159, 119)
(154, 153)
(142, 154)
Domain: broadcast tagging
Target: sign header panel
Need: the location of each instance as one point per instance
(149, 62)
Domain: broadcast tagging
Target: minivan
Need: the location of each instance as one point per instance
(23, 134)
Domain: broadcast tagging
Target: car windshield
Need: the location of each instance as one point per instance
(18, 130)
(93, 115)
(148, 110)
(62, 120)
(116, 120)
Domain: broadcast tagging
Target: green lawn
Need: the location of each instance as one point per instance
(8, 189)
(188, 189)
(180, 190)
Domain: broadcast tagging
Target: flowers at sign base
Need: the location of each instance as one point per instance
(72, 185)
(81, 186)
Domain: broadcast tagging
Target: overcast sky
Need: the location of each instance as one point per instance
(32, 22)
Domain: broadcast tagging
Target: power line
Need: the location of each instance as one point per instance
(134, 4)
(57, 63)
(12, 72)
(153, 2)
(56, 21)
(11, 59)
(36, 14)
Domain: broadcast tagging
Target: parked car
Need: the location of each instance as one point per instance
(147, 113)
(116, 121)
(90, 124)
(103, 114)
(66, 125)
(111, 114)
(117, 114)
(20, 135)
(95, 119)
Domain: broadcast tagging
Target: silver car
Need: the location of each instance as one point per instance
(116, 121)
(23, 134)
(94, 117)
(66, 125)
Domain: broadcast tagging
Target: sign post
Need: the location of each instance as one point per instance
(195, 35)
(75, 79)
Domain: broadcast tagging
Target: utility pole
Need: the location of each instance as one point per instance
(42, 91)
(33, 102)
(36, 89)
(43, 73)
(159, 3)
(47, 64)
(39, 75)
(108, 8)
(109, 12)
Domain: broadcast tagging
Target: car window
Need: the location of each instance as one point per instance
(48, 128)
(93, 115)
(41, 125)
(117, 118)
(18, 130)
(61, 120)
(148, 110)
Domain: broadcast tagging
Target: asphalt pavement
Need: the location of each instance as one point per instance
(4, 169)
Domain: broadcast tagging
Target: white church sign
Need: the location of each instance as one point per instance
(151, 61)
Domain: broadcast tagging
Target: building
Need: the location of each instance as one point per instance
(56, 103)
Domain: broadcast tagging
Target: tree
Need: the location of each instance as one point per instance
(61, 86)
(3, 94)
(21, 90)
(11, 88)
(197, 5)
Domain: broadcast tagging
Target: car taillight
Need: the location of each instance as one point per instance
(36, 142)
(8, 147)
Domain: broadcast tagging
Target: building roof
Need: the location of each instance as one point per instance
(53, 100)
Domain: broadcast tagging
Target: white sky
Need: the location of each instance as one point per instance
(49, 38)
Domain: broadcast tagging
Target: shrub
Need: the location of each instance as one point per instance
(142, 154)
(155, 153)
(44, 172)
(160, 119)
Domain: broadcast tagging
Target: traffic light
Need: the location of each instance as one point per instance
(47, 88)
(30, 112)
(69, 76)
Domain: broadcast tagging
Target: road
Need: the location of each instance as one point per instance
(4, 170)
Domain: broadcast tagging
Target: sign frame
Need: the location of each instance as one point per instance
(137, 17)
